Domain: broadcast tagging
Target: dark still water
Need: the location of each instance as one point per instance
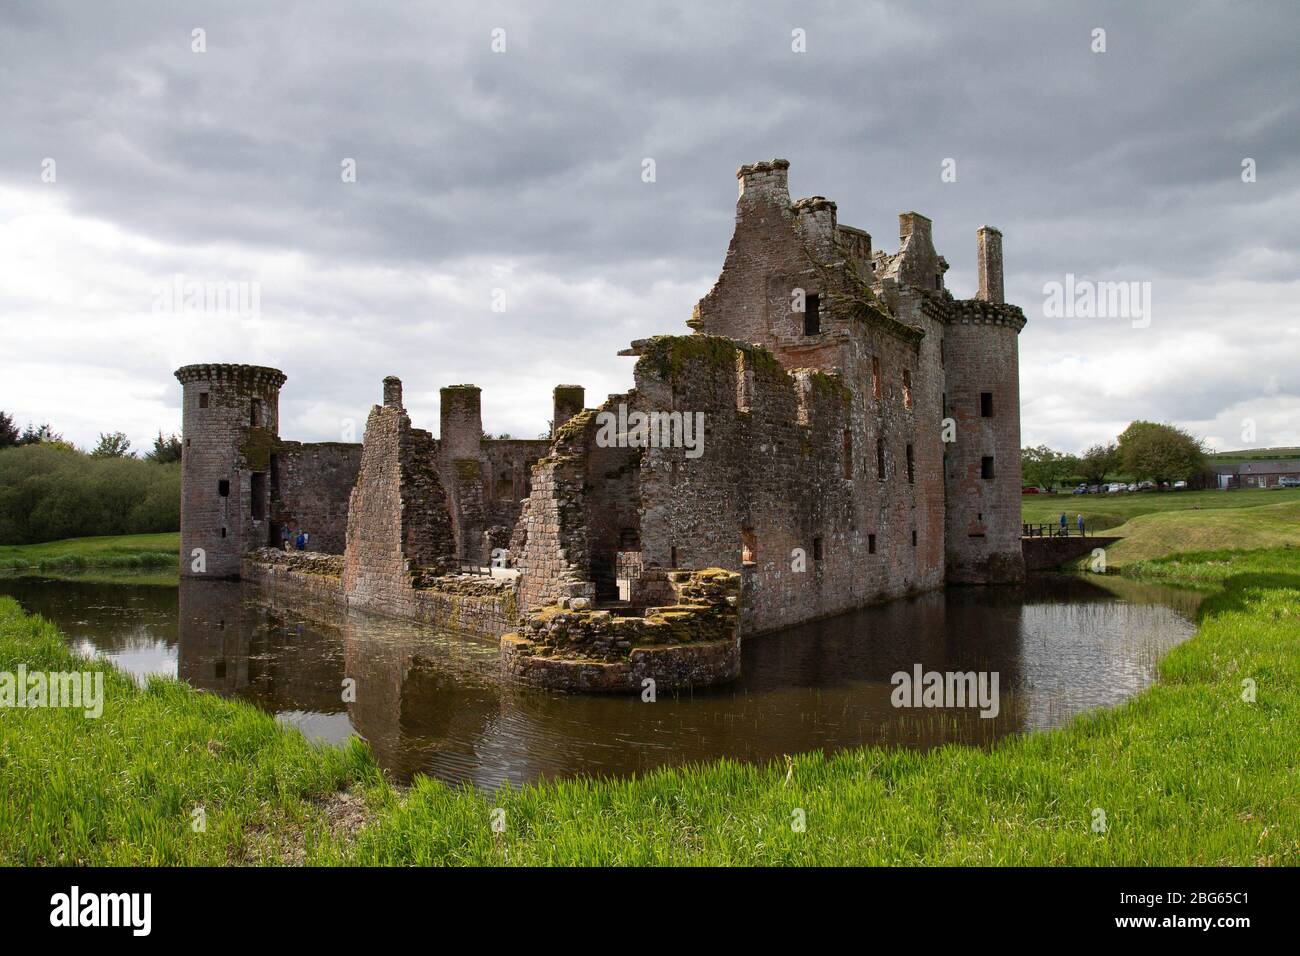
(432, 703)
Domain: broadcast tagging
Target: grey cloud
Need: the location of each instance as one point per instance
(1118, 165)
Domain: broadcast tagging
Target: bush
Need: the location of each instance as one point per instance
(48, 492)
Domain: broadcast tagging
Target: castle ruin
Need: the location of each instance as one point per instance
(860, 441)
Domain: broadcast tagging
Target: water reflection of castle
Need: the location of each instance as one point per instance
(435, 704)
(413, 694)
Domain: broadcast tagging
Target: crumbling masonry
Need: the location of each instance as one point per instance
(860, 441)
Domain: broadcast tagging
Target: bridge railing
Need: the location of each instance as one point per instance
(1052, 530)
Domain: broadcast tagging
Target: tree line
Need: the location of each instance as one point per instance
(1145, 451)
(51, 489)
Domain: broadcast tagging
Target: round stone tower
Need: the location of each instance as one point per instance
(230, 425)
(982, 466)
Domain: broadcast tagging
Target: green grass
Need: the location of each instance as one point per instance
(1186, 773)
(122, 789)
(1153, 524)
(1103, 512)
(125, 552)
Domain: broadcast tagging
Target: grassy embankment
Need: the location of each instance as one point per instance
(1153, 524)
(126, 552)
(1186, 773)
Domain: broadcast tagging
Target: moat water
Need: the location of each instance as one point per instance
(433, 703)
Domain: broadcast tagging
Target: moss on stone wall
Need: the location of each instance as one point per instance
(257, 447)
(467, 469)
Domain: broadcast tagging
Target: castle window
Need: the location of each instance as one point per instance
(203, 399)
(255, 414)
(848, 453)
(871, 544)
(223, 487)
(941, 352)
(911, 466)
(812, 319)
(938, 281)
(880, 459)
(914, 537)
(672, 557)
(907, 389)
(986, 466)
(258, 493)
(875, 377)
(223, 532)
(817, 549)
(986, 404)
(748, 547)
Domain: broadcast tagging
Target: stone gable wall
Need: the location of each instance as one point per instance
(311, 484)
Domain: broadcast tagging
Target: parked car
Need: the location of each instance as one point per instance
(1030, 490)
(1094, 489)
(1081, 490)
(1288, 481)
(1132, 486)
(1179, 485)
(1146, 485)
(1115, 488)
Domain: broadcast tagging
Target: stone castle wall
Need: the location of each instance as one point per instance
(311, 484)
(824, 370)
(693, 642)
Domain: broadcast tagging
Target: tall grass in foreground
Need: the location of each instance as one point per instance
(1186, 773)
(124, 788)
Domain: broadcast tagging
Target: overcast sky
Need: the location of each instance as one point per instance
(521, 171)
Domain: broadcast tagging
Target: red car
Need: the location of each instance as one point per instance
(1030, 490)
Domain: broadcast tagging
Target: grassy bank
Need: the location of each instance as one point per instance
(128, 552)
(1155, 524)
(1186, 773)
(1110, 511)
(123, 788)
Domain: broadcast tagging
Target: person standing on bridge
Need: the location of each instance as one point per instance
(1080, 526)
(1065, 524)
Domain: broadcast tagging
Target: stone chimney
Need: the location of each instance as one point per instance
(567, 401)
(990, 264)
(913, 223)
(766, 181)
(392, 392)
(461, 429)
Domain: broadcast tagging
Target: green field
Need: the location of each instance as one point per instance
(1186, 773)
(122, 553)
(1253, 454)
(1153, 524)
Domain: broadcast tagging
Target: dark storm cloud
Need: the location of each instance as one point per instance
(1119, 165)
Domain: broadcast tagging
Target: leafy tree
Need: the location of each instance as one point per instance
(1046, 468)
(112, 445)
(47, 493)
(42, 434)
(1161, 452)
(8, 431)
(166, 449)
(1097, 462)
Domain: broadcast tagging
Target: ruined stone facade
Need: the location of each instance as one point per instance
(838, 429)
